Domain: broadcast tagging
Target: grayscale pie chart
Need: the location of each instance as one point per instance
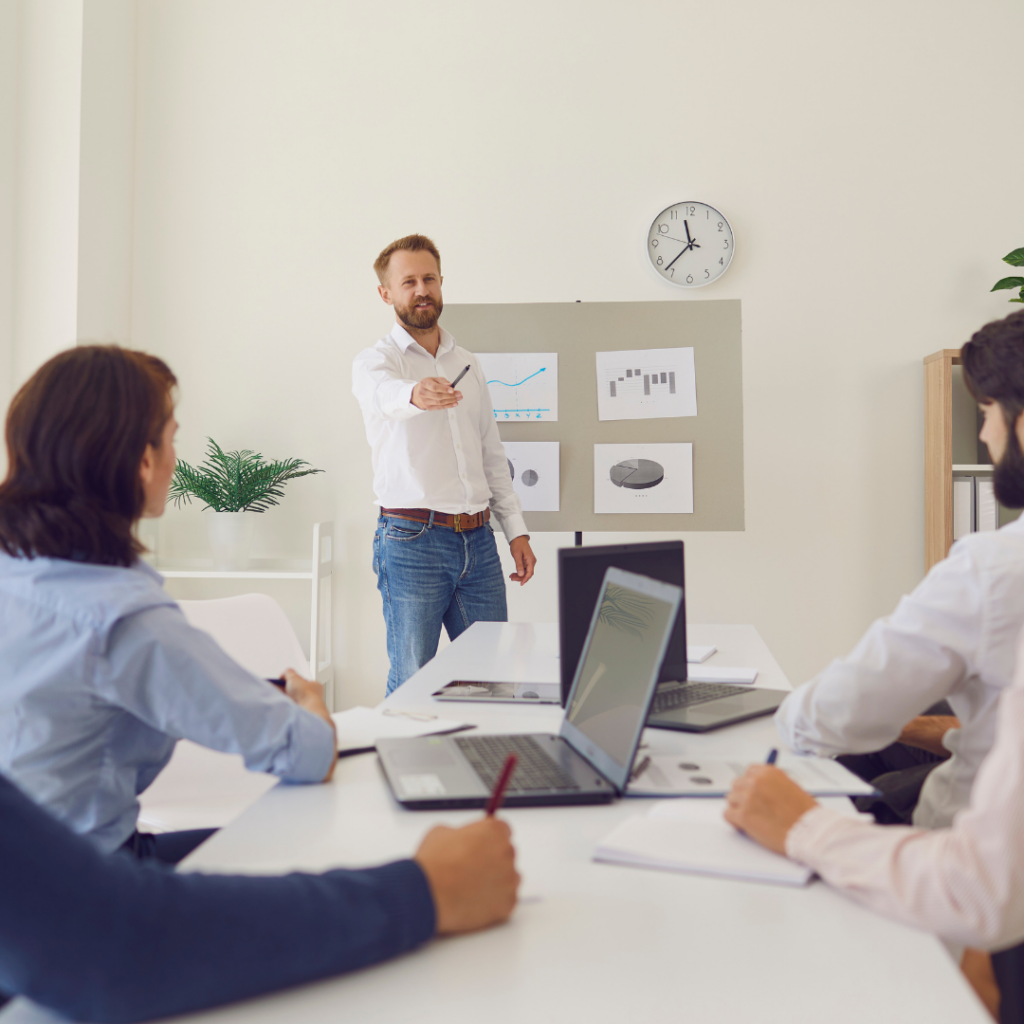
(637, 474)
(529, 477)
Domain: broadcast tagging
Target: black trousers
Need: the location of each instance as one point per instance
(898, 773)
(1009, 971)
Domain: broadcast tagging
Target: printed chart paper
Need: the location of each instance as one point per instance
(645, 384)
(523, 385)
(643, 478)
(534, 469)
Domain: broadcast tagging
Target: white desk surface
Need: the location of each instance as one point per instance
(594, 943)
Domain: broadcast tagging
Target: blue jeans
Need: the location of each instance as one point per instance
(428, 576)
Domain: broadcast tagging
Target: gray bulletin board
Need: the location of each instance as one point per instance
(578, 330)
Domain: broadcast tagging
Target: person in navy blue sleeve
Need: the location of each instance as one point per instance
(100, 673)
(101, 937)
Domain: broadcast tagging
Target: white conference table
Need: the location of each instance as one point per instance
(589, 942)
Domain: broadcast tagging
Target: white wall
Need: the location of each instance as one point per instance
(866, 154)
(45, 236)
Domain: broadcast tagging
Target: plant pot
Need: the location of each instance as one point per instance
(230, 536)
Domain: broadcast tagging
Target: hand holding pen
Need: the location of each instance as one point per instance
(471, 871)
(436, 393)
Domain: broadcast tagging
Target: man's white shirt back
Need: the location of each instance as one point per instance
(448, 460)
(953, 638)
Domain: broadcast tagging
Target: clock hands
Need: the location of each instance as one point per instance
(691, 243)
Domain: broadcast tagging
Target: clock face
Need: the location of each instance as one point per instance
(690, 244)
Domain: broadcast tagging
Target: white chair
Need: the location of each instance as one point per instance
(202, 788)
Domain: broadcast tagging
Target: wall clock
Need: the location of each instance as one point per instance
(690, 244)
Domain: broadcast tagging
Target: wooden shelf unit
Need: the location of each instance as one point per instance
(938, 454)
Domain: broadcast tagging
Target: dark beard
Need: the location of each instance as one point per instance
(420, 320)
(1008, 475)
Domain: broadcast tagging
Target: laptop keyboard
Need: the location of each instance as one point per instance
(693, 693)
(535, 770)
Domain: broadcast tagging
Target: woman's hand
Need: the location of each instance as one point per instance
(309, 694)
(766, 803)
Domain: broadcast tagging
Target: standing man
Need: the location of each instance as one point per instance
(439, 469)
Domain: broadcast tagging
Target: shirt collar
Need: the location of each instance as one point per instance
(403, 339)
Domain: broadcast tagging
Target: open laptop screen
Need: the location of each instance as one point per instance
(580, 574)
(618, 672)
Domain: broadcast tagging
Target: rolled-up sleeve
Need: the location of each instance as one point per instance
(378, 386)
(178, 680)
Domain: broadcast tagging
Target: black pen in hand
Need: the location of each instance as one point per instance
(460, 376)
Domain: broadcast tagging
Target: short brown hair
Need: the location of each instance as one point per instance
(76, 434)
(411, 243)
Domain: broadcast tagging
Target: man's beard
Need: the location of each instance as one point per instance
(420, 319)
(1008, 475)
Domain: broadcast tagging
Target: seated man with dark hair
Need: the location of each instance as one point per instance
(953, 639)
(103, 937)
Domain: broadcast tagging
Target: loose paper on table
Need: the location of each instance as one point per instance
(684, 775)
(641, 384)
(523, 385)
(534, 468)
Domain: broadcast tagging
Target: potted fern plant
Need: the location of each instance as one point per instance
(233, 485)
(1015, 259)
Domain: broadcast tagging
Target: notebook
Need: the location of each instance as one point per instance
(359, 728)
(699, 843)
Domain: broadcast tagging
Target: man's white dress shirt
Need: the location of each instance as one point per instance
(953, 638)
(449, 460)
(965, 883)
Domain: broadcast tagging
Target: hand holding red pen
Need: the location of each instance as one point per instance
(472, 871)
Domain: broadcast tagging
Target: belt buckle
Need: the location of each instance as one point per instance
(458, 523)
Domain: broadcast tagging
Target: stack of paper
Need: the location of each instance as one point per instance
(679, 775)
(359, 728)
(700, 845)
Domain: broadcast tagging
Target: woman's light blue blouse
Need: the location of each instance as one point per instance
(100, 675)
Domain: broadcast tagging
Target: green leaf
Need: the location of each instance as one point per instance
(240, 481)
(1015, 258)
(1008, 282)
(1017, 300)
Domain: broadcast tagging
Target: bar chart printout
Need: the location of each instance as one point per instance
(643, 384)
(523, 385)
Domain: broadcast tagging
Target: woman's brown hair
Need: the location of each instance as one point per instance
(76, 433)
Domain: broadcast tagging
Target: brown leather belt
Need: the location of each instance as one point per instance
(460, 522)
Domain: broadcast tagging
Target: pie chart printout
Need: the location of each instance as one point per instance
(637, 474)
(642, 478)
(534, 466)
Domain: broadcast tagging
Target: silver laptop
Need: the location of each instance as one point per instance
(590, 759)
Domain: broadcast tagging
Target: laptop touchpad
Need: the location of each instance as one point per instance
(423, 755)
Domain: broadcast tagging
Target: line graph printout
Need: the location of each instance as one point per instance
(645, 384)
(523, 385)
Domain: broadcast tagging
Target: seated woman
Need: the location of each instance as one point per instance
(100, 674)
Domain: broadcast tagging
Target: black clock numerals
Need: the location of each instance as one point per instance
(685, 247)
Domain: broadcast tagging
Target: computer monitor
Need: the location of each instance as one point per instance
(580, 575)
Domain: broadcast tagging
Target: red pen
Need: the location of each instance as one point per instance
(496, 798)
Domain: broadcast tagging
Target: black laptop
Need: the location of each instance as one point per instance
(689, 707)
(591, 758)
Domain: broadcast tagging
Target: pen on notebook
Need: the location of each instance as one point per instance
(460, 376)
(498, 795)
(773, 756)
